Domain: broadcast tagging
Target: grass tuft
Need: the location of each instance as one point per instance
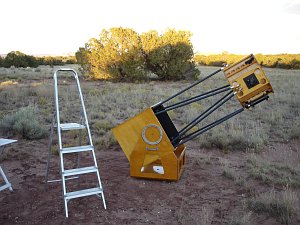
(283, 205)
(243, 218)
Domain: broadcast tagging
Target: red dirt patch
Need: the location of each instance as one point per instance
(129, 200)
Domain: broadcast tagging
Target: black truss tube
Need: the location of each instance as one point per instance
(205, 114)
(208, 127)
(198, 97)
(255, 102)
(189, 87)
(187, 102)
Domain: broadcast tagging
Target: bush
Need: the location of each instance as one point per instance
(19, 59)
(117, 54)
(170, 55)
(1, 61)
(122, 54)
(24, 122)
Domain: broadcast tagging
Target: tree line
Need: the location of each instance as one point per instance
(19, 59)
(285, 61)
(123, 54)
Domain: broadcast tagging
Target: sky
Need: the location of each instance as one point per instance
(237, 26)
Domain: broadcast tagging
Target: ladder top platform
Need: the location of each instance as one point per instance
(4, 141)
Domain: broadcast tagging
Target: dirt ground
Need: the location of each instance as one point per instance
(202, 194)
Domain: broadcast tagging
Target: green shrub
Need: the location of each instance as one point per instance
(124, 55)
(25, 123)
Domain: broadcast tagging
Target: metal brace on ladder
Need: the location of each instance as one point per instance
(67, 174)
(3, 143)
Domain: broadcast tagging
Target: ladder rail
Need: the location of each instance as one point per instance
(87, 126)
(57, 107)
(89, 135)
(83, 107)
(59, 131)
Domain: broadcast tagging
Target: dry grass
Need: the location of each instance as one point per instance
(241, 218)
(282, 204)
(273, 173)
(41, 72)
(205, 216)
(116, 102)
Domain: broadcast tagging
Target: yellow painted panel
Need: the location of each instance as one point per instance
(130, 132)
(248, 79)
(148, 148)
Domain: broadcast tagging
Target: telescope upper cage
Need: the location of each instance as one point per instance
(248, 79)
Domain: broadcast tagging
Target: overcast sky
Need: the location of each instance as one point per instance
(236, 26)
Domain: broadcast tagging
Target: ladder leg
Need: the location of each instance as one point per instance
(63, 182)
(49, 151)
(103, 199)
(99, 181)
(7, 183)
(66, 207)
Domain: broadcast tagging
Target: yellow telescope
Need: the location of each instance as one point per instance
(152, 144)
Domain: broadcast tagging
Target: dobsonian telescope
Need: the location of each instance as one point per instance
(152, 144)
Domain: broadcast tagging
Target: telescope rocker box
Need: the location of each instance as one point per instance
(146, 144)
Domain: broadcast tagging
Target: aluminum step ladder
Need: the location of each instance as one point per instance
(67, 174)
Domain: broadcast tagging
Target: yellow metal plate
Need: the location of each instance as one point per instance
(248, 79)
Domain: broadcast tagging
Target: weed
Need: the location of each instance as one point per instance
(230, 173)
(105, 140)
(203, 158)
(243, 218)
(205, 216)
(54, 149)
(294, 131)
(42, 100)
(283, 205)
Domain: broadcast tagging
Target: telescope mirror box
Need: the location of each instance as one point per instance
(248, 79)
(146, 141)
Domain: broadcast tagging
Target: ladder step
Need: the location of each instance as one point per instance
(82, 193)
(71, 126)
(77, 171)
(77, 149)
